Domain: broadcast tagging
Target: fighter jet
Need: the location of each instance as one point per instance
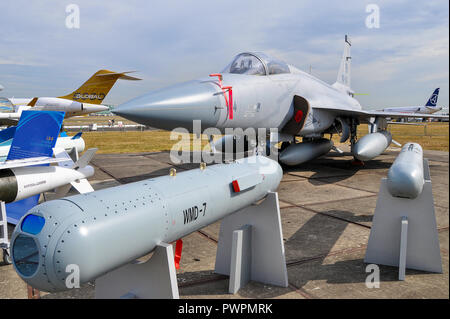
(86, 99)
(256, 91)
(429, 108)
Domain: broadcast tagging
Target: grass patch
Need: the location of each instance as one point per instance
(434, 136)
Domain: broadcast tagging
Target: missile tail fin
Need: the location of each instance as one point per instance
(17, 209)
(85, 159)
(82, 186)
(36, 134)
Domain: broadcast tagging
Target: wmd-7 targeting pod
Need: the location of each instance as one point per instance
(105, 229)
(372, 145)
(405, 177)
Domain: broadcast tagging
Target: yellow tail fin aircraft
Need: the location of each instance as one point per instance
(86, 99)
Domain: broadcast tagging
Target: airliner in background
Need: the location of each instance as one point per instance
(429, 108)
(86, 99)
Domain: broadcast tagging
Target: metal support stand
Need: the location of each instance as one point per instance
(404, 232)
(251, 246)
(4, 239)
(155, 278)
(403, 246)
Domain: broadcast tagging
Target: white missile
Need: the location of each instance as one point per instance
(372, 145)
(68, 143)
(17, 183)
(405, 177)
(106, 229)
(299, 153)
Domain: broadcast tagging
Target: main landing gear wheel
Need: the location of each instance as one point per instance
(7, 257)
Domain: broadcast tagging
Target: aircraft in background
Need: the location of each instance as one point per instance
(86, 99)
(259, 91)
(1, 87)
(26, 173)
(429, 108)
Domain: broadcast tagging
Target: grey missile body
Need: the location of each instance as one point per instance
(299, 153)
(405, 176)
(105, 229)
(372, 145)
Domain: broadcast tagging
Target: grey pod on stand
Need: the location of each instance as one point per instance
(105, 229)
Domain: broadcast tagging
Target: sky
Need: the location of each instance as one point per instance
(399, 63)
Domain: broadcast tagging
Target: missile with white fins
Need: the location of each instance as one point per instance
(105, 229)
(405, 177)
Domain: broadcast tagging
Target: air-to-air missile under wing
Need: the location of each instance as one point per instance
(258, 91)
(105, 229)
(406, 177)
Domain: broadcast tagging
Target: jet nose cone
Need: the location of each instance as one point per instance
(175, 106)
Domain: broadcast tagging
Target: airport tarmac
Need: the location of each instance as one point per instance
(326, 206)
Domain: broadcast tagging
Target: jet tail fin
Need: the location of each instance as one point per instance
(95, 89)
(432, 101)
(343, 82)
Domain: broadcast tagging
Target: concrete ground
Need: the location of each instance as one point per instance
(326, 209)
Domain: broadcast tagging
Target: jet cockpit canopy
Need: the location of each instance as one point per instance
(256, 64)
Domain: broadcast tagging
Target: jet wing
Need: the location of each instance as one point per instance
(365, 115)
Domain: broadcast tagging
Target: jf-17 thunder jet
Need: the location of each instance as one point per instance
(258, 91)
(86, 99)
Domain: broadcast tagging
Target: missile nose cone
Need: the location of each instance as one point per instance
(372, 145)
(175, 106)
(363, 151)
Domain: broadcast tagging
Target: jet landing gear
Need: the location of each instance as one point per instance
(353, 140)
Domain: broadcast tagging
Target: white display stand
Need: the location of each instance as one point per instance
(155, 278)
(404, 232)
(4, 240)
(251, 246)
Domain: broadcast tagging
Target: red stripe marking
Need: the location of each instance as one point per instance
(236, 186)
(178, 250)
